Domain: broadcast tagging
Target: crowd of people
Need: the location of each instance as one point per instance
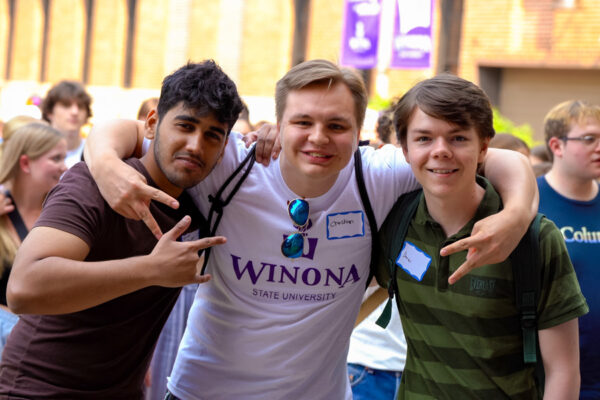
(167, 262)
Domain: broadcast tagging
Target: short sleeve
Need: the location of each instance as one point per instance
(74, 205)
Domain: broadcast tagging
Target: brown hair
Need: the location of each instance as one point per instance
(449, 98)
(66, 92)
(319, 71)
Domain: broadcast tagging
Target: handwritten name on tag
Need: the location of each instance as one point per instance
(345, 225)
(413, 260)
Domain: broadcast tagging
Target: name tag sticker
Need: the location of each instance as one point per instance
(413, 260)
(345, 225)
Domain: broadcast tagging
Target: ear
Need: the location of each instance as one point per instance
(24, 162)
(556, 146)
(405, 152)
(485, 144)
(151, 124)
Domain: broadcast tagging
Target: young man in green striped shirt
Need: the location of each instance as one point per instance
(464, 340)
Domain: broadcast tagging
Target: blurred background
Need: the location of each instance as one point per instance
(526, 54)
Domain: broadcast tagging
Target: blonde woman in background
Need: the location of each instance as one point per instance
(32, 163)
(8, 129)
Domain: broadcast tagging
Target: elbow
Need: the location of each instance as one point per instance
(18, 297)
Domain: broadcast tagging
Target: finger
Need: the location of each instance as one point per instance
(455, 247)
(259, 151)
(250, 138)
(148, 192)
(151, 223)
(464, 269)
(276, 147)
(470, 263)
(202, 278)
(207, 242)
(8, 208)
(179, 228)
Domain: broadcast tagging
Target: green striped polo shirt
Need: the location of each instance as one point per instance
(464, 340)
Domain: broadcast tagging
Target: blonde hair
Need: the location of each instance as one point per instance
(33, 140)
(12, 125)
(319, 71)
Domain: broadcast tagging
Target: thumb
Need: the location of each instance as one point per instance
(178, 229)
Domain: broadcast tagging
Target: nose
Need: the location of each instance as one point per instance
(74, 108)
(318, 135)
(194, 143)
(441, 148)
(63, 167)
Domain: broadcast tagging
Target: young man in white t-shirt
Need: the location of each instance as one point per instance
(270, 326)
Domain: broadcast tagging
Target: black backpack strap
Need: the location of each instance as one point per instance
(16, 219)
(525, 260)
(364, 197)
(395, 229)
(217, 203)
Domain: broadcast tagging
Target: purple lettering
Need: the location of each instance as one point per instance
(249, 267)
(352, 275)
(316, 279)
(271, 271)
(337, 279)
(286, 272)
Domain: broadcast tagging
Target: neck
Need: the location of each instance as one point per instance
(304, 186)
(454, 212)
(28, 201)
(73, 140)
(158, 176)
(572, 187)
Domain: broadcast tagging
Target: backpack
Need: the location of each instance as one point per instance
(526, 266)
(217, 203)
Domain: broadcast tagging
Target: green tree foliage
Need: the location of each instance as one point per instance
(504, 125)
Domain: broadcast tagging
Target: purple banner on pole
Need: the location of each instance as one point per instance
(361, 33)
(412, 42)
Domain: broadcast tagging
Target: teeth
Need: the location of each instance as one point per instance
(442, 171)
(317, 155)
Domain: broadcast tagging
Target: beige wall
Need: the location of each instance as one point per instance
(252, 39)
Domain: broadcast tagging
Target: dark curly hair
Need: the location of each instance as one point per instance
(203, 87)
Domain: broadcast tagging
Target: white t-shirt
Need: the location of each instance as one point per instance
(377, 348)
(74, 156)
(270, 327)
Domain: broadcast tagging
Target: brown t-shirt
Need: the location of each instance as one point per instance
(102, 352)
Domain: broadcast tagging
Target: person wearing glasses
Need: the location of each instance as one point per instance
(276, 318)
(569, 196)
(94, 289)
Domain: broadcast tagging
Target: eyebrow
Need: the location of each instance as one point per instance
(333, 119)
(189, 118)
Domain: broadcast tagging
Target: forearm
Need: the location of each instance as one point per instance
(511, 174)
(562, 385)
(56, 285)
(113, 140)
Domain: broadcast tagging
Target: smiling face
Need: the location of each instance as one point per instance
(443, 156)
(47, 169)
(319, 135)
(186, 147)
